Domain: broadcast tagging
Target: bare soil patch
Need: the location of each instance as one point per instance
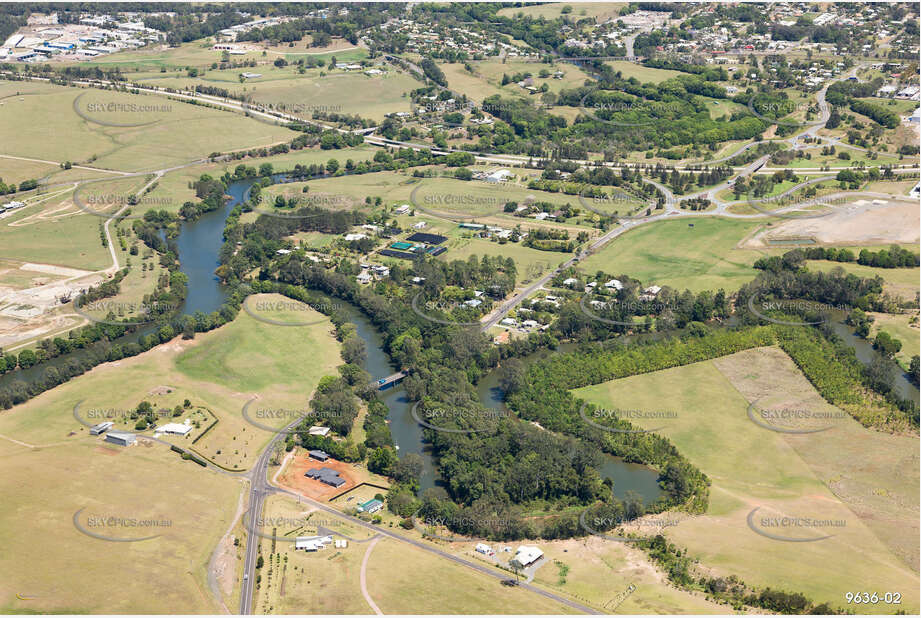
(860, 223)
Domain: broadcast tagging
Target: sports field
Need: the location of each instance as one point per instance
(844, 474)
(672, 253)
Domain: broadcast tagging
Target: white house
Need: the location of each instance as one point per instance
(355, 236)
(483, 548)
(401, 210)
(317, 430)
(570, 282)
(364, 277)
(614, 284)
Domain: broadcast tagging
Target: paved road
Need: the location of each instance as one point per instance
(259, 489)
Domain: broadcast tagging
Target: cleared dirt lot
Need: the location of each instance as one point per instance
(863, 222)
(293, 477)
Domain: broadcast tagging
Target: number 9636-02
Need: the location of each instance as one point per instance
(872, 598)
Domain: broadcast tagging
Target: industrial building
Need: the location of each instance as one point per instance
(100, 428)
(121, 438)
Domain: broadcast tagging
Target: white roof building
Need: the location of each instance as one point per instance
(317, 430)
(174, 428)
(312, 543)
(355, 236)
(570, 281)
(483, 548)
(614, 284)
(526, 555)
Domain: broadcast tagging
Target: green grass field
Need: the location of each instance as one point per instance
(42, 441)
(291, 579)
(601, 571)
(419, 586)
(174, 188)
(552, 10)
(644, 74)
(220, 371)
(671, 253)
(45, 125)
(487, 78)
(841, 474)
(902, 282)
(200, 55)
(48, 561)
(52, 230)
(284, 89)
(438, 195)
(899, 326)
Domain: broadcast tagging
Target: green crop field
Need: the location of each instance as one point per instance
(672, 253)
(843, 474)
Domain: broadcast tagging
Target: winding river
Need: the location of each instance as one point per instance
(199, 245)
